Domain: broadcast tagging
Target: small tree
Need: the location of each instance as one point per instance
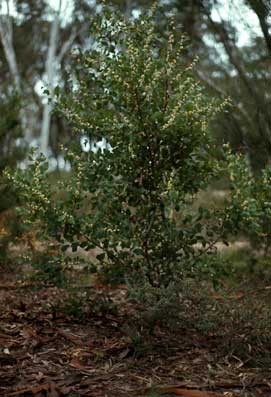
(133, 198)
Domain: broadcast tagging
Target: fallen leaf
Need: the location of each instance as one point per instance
(76, 364)
(189, 392)
(4, 336)
(124, 353)
(72, 338)
(30, 389)
(50, 389)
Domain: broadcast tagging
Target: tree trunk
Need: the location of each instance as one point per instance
(6, 35)
(50, 70)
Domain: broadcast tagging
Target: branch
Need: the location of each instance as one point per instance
(59, 8)
(67, 44)
(8, 11)
(245, 132)
(128, 8)
(262, 12)
(231, 52)
(219, 91)
(211, 84)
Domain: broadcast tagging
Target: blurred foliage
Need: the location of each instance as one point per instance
(12, 151)
(250, 201)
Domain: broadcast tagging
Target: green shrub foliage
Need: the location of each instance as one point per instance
(250, 201)
(133, 198)
(11, 152)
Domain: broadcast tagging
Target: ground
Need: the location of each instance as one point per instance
(45, 351)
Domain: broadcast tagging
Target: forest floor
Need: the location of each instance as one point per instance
(47, 351)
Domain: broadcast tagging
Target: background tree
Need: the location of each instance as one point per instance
(29, 67)
(242, 72)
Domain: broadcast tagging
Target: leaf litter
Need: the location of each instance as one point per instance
(54, 354)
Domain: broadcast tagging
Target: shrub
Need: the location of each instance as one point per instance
(10, 153)
(49, 268)
(250, 201)
(133, 89)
